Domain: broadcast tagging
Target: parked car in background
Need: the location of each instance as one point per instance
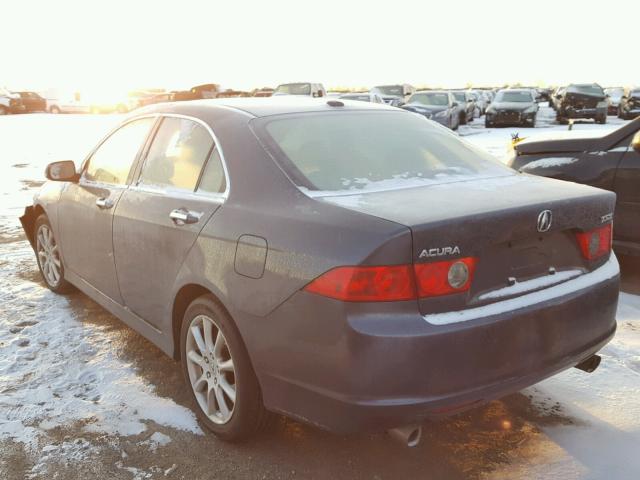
(363, 97)
(615, 96)
(466, 106)
(315, 90)
(377, 301)
(440, 105)
(582, 100)
(394, 95)
(512, 107)
(208, 90)
(556, 97)
(32, 101)
(480, 100)
(67, 103)
(262, 92)
(10, 102)
(611, 162)
(630, 104)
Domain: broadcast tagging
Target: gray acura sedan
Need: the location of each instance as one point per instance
(348, 264)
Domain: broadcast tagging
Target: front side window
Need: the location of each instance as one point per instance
(359, 151)
(112, 161)
(177, 154)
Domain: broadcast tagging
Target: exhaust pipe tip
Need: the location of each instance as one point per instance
(590, 364)
(409, 435)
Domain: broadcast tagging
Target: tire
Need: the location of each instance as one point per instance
(48, 257)
(55, 109)
(533, 121)
(487, 124)
(463, 118)
(205, 374)
(3, 110)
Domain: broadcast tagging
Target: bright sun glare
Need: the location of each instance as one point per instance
(107, 48)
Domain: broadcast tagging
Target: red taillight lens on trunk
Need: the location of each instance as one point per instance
(366, 284)
(595, 243)
(444, 278)
(395, 282)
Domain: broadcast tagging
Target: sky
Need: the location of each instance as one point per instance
(114, 45)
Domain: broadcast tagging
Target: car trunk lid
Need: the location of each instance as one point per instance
(496, 221)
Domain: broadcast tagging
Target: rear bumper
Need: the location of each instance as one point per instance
(381, 370)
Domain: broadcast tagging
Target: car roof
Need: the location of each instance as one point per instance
(265, 106)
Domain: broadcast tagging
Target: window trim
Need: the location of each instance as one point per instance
(135, 182)
(134, 165)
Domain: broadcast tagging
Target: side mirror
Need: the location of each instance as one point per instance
(454, 104)
(635, 142)
(64, 171)
(558, 97)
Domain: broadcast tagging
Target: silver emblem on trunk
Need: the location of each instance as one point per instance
(544, 221)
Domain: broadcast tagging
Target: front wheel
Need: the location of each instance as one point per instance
(48, 256)
(216, 366)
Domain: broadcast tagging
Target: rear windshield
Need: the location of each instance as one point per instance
(294, 89)
(439, 99)
(356, 151)
(514, 97)
(586, 89)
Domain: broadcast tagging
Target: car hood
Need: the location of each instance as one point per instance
(559, 142)
(519, 106)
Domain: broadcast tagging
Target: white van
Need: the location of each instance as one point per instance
(315, 90)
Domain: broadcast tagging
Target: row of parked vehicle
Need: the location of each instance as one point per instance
(451, 108)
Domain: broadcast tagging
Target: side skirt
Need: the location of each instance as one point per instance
(132, 320)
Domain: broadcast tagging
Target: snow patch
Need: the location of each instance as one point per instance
(549, 162)
(57, 371)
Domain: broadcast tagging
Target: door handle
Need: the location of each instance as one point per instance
(104, 203)
(182, 216)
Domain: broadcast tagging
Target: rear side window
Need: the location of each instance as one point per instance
(213, 179)
(370, 150)
(177, 154)
(112, 161)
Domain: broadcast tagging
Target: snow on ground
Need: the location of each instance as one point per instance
(62, 366)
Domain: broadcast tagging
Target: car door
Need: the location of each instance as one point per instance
(181, 183)
(627, 188)
(86, 208)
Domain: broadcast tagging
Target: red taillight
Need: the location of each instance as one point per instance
(443, 278)
(595, 243)
(366, 284)
(395, 282)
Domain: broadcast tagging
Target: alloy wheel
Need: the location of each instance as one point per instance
(211, 369)
(48, 256)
